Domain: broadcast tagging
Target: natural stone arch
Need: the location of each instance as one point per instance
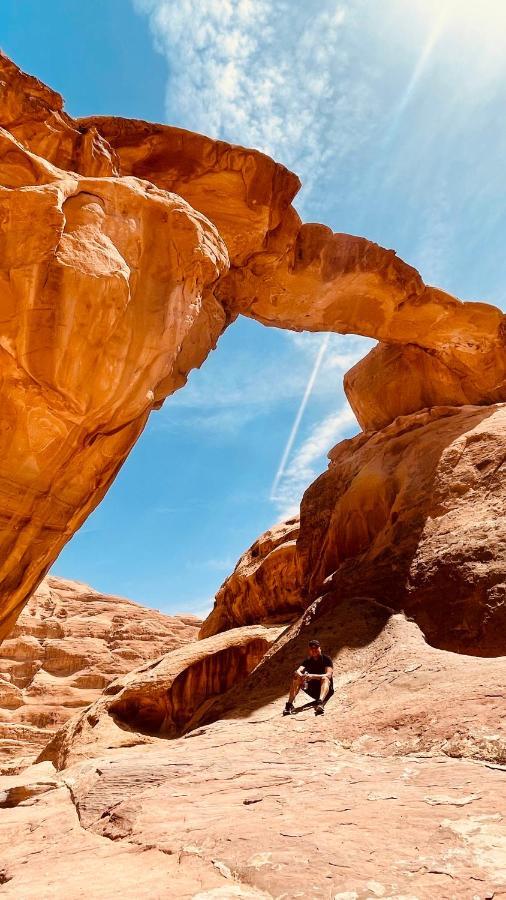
(114, 289)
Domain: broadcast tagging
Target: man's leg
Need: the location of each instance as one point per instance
(324, 689)
(297, 682)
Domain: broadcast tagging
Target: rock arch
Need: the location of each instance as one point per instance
(126, 249)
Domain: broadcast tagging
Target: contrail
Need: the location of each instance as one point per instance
(421, 64)
(300, 412)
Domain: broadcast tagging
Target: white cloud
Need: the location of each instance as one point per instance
(271, 74)
(308, 460)
(234, 388)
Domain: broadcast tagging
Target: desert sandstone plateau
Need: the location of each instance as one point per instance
(139, 761)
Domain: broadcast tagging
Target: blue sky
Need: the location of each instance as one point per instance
(392, 113)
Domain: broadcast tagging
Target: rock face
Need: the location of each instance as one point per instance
(414, 515)
(69, 643)
(396, 379)
(162, 698)
(84, 355)
(255, 806)
(126, 249)
(265, 585)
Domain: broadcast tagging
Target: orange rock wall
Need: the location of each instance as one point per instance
(126, 249)
(265, 585)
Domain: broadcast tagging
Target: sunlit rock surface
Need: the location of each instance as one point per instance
(162, 698)
(68, 644)
(107, 303)
(126, 250)
(397, 791)
(398, 379)
(265, 585)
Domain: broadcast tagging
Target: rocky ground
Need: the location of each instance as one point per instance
(398, 791)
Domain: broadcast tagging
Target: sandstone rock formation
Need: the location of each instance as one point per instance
(162, 698)
(398, 379)
(254, 805)
(121, 288)
(414, 515)
(265, 585)
(107, 304)
(68, 644)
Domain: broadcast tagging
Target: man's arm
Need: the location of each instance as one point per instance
(329, 671)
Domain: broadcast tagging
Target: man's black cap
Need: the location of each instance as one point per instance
(314, 643)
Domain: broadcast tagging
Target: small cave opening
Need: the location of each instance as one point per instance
(167, 710)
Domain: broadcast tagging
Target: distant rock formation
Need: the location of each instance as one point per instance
(114, 289)
(68, 644)
(265, 585)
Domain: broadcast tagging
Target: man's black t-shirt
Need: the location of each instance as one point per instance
(317, 666)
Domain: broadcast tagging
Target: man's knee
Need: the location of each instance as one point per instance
(297, 676)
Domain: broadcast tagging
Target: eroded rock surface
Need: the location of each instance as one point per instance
(255, 805)
(126, 251)
(68, 644)
(162, 698)
(107, 304)
(265, 586)
(415, 515)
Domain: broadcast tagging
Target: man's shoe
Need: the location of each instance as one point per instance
(288, 710)
(319, 709)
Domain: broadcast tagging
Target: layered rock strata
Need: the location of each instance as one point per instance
(68, 644)
(122, 287)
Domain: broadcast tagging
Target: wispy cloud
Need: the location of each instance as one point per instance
(307, 461)
(300, 412)
(236, 387)
(381, 103)
(271, 74)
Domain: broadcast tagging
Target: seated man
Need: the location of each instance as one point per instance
(314, 676)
